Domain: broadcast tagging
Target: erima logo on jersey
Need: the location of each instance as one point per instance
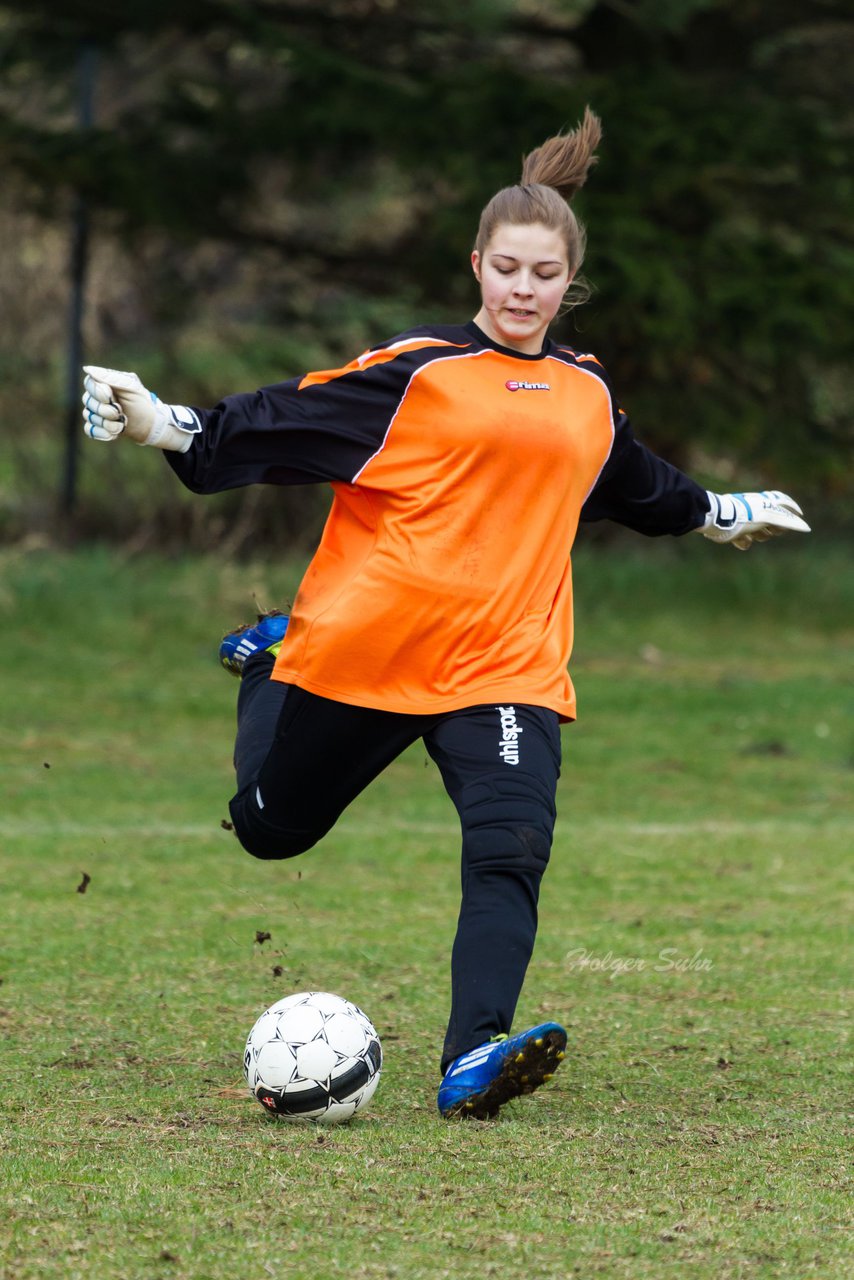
(527, 386)
(510, 730)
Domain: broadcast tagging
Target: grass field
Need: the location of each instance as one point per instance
(693, 939)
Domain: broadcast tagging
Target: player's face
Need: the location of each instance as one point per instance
(523, 274)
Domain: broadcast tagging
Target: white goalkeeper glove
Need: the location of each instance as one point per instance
(743, 518)
(115, 402)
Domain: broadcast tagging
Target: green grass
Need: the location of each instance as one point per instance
(693, 939)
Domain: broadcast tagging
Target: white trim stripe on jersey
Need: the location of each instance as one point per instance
(588, 373)
(424, 341)
(468, 355)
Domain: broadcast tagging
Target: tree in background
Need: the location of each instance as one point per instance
(276, 185)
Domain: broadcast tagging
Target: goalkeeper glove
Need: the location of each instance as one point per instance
(743, 518)
(116, 402)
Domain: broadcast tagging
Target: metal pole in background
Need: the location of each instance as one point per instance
(86, 69)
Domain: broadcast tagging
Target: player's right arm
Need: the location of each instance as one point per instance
(324, 426)
(277, 435)
(116, 403)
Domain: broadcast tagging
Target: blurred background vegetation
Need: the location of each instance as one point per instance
(271, 187)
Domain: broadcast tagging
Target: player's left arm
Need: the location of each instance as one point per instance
(643, 491)
(744, 518)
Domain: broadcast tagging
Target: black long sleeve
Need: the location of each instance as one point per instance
(642, 491)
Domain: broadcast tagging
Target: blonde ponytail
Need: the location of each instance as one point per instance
(551, 176)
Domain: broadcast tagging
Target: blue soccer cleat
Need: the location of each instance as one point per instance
(263, 636)
(482, 1080)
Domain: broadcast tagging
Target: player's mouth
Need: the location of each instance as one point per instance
(520, 313)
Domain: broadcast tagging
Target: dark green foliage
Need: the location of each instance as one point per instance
(356, 141)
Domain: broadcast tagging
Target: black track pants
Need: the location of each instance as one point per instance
(301, 759)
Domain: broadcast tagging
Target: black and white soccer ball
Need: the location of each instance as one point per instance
(313, 1057)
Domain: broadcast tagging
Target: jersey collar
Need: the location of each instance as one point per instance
(485, 341)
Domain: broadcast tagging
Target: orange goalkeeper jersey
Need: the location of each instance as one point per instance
(460, 470)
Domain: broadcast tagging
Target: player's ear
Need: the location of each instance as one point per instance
(475, 264)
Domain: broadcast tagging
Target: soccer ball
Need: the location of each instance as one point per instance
(313, 1056)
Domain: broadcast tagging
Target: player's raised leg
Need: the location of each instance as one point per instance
(301, 759)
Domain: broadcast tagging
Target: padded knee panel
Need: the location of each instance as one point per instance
(508, 822)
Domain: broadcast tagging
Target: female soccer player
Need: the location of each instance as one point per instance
(439, 602)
